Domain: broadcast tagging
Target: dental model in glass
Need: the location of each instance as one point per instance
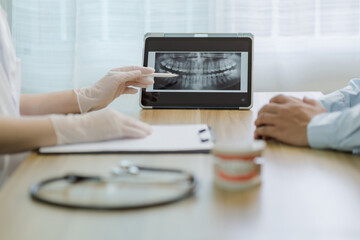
(199, 71)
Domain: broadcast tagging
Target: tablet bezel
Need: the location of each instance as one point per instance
(198, 42)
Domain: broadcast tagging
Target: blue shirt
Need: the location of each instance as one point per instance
(339, 128)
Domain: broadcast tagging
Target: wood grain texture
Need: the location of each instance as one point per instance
(305, 193)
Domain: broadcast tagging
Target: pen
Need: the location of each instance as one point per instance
(160, 75)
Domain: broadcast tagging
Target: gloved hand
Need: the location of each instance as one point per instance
(103, 92)
(97, 126)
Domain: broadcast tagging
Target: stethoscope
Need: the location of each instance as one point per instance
(125, 168)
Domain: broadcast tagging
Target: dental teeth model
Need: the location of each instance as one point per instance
(199, 71)
(238, 167)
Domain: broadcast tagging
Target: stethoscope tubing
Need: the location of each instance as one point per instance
(73, 178)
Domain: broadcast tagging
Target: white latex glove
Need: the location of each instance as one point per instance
(103, 92)
(97, 126)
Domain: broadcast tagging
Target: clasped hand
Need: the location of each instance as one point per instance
(286, 119)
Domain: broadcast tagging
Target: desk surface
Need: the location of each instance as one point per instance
(305, 194)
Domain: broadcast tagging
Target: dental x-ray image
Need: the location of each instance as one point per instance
(199, 71)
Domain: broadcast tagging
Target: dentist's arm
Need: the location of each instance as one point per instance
(27, 133)
(87, 99)
(49, 103)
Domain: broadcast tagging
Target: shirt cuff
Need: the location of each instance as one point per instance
(334, 101)
(321, 130)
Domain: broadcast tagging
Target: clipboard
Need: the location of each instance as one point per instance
(189, 138)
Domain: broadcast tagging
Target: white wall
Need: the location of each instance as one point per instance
(305, 71)
(300, 45)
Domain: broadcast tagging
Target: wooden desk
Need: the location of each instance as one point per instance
(305, 194)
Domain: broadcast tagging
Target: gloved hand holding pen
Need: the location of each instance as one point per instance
(111, 86)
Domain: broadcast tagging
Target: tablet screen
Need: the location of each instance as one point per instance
(213, 72)
(200, 71)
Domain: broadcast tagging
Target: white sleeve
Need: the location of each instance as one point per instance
(336, 130)
(343, 98)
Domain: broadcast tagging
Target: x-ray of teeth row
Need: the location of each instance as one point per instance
(199, 71)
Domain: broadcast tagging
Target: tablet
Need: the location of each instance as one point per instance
(214, 70)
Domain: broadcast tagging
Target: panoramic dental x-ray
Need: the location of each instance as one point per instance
(198, 71)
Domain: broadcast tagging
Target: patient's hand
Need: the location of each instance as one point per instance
(286, 119)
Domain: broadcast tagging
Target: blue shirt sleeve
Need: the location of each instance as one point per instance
(338, 130)
(343, 98)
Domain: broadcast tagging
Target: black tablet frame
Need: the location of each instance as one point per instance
(230, 43)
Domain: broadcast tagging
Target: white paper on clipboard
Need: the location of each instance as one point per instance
(164, 139)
